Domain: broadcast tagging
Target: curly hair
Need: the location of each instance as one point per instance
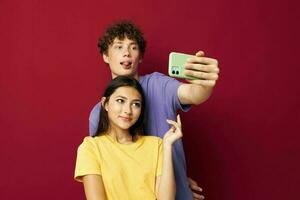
(120, 30)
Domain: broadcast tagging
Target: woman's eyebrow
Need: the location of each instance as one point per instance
(120, 96)
(136, 100)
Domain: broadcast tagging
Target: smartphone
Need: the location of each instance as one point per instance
(176, 62)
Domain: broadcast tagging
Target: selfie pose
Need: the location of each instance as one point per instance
(120, 162)
(122, 47)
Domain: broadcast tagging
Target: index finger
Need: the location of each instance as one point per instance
(178, 120)
(202, 60)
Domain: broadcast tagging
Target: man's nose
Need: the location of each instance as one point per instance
(126, 52)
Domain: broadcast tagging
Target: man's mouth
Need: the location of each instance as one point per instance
(126, 64)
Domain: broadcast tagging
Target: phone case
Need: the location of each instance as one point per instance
(176, 62)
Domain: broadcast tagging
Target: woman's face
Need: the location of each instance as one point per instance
(124, 107)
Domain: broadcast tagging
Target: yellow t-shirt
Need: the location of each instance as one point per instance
(128, 171)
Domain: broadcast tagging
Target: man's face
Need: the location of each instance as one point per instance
(123, 57)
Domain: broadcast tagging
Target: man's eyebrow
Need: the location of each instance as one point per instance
(118, 42)
(121, 42)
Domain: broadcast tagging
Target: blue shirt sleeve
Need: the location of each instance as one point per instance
(169, 87)
(94, 119)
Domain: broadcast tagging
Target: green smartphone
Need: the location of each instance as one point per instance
(176, 62)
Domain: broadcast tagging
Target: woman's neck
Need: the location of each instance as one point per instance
(121, 136)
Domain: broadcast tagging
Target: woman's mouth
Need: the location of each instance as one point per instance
(126, 119)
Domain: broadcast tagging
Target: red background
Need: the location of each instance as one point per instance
(241, 144)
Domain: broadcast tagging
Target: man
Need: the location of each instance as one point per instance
(122, 47)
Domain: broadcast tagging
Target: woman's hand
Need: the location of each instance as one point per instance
(174, 133)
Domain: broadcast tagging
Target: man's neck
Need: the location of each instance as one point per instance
(136, 76)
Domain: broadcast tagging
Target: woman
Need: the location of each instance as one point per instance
(120, 162)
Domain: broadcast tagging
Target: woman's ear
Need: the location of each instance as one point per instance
(103, 104)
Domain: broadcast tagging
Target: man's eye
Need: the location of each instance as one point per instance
(118, 47)
(134, 48)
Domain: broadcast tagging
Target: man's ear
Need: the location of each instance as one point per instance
(103, 104)
(105, 58)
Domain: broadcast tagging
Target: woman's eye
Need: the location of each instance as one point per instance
(134, 48)
(118, 47)
(120, 100)
(138, 105)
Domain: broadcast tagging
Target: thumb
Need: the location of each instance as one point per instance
(200, 53)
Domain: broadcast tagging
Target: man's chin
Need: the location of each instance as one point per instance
(126, 73)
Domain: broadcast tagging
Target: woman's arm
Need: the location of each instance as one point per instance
(165, 184)
(93, 187)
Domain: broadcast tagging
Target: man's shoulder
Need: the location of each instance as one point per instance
(155, 78)
(153, 75)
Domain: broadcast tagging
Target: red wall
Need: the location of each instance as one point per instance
(241, 144)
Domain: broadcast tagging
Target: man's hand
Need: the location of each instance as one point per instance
(195, 188)
(205, 69)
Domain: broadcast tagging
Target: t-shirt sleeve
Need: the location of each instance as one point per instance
(160, 159)
(87, 161)
(94, 119)
(169, 87)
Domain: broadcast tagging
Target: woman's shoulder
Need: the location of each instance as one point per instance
(151, 139)
(92, 140)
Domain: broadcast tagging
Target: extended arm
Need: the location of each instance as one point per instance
(206, 71)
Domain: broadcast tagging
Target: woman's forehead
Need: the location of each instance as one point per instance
(127, 92)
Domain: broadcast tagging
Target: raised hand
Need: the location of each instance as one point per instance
(174, 133)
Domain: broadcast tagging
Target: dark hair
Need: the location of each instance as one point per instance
(121, 81)
(120, 30)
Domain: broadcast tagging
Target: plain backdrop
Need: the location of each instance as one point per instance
(243, 143)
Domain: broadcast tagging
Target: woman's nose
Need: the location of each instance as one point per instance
(127, 109)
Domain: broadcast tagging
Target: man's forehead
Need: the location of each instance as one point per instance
(118, 40)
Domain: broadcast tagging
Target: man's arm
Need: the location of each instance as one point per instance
(206, 71)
